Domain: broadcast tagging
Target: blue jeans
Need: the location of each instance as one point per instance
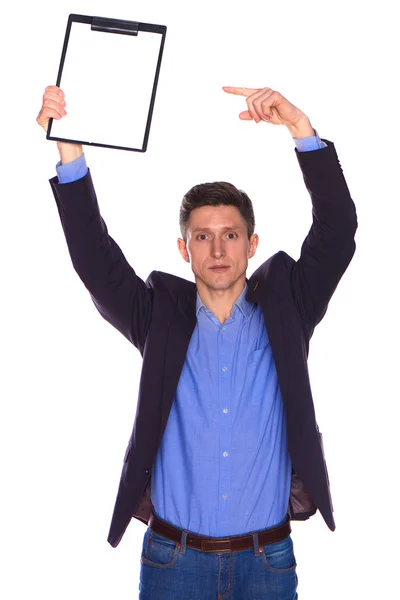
(172, 573)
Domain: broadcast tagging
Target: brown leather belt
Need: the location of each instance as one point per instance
(230, 544)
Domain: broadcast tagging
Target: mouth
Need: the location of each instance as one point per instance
(219, 268)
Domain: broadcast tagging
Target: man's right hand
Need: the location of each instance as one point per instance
(53, 107)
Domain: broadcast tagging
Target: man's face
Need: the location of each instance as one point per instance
(217, 246)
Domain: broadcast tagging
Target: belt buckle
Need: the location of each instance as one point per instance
(216, 543)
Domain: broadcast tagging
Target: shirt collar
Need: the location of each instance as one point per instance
(240, 302)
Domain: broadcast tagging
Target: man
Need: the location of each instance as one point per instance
(225, 448)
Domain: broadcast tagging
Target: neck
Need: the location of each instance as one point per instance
(221, 302)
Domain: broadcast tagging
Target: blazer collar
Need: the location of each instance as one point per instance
(255, 293)
(256, 283)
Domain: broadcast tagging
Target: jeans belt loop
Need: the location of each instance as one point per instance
(257, 549)
(183, 541)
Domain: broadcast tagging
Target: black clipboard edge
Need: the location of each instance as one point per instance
(149, 27)
(153, 94)
(69, 141)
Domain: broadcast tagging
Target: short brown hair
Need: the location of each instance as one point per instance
(215, 194)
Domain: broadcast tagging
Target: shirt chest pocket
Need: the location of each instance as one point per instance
(259, 376)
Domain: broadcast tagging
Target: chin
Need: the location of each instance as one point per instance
(217, 281)
(219, 285)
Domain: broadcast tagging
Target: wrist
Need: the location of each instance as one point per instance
(302, 129)
(69, 152)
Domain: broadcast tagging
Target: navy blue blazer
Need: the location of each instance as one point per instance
(158, 316)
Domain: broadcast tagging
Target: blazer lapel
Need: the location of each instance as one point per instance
(181, 329)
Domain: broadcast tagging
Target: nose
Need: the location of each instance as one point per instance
(217, 248)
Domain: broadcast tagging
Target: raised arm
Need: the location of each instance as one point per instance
(329, 245)
(120, 296)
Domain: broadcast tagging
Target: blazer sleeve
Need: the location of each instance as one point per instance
(329, 246)
(121, 297)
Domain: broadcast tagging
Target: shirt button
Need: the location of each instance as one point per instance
(224, 496)
(224, 369)
(225, 410)
(225, 454)
(146, 471)
(223, 329)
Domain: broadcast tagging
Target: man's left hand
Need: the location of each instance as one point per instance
(268, 105)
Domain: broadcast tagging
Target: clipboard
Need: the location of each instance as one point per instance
(109, 72)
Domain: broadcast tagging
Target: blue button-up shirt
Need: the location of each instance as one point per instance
(223, 466)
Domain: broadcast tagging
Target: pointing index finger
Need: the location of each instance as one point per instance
(239, 91)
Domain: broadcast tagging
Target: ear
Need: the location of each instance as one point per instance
(253, 243)
(182, 249)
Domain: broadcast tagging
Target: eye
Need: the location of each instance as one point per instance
(232, 236)
(202, 236)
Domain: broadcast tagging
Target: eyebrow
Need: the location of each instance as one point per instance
(234, 228)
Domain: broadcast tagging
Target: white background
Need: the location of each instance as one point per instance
(69, 381)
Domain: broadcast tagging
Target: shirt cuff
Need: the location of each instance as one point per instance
(313, 142)
(72, 171)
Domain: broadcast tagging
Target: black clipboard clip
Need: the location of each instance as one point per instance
(115, 26)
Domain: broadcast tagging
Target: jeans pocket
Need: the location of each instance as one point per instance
(279, 557)
(158, 551)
